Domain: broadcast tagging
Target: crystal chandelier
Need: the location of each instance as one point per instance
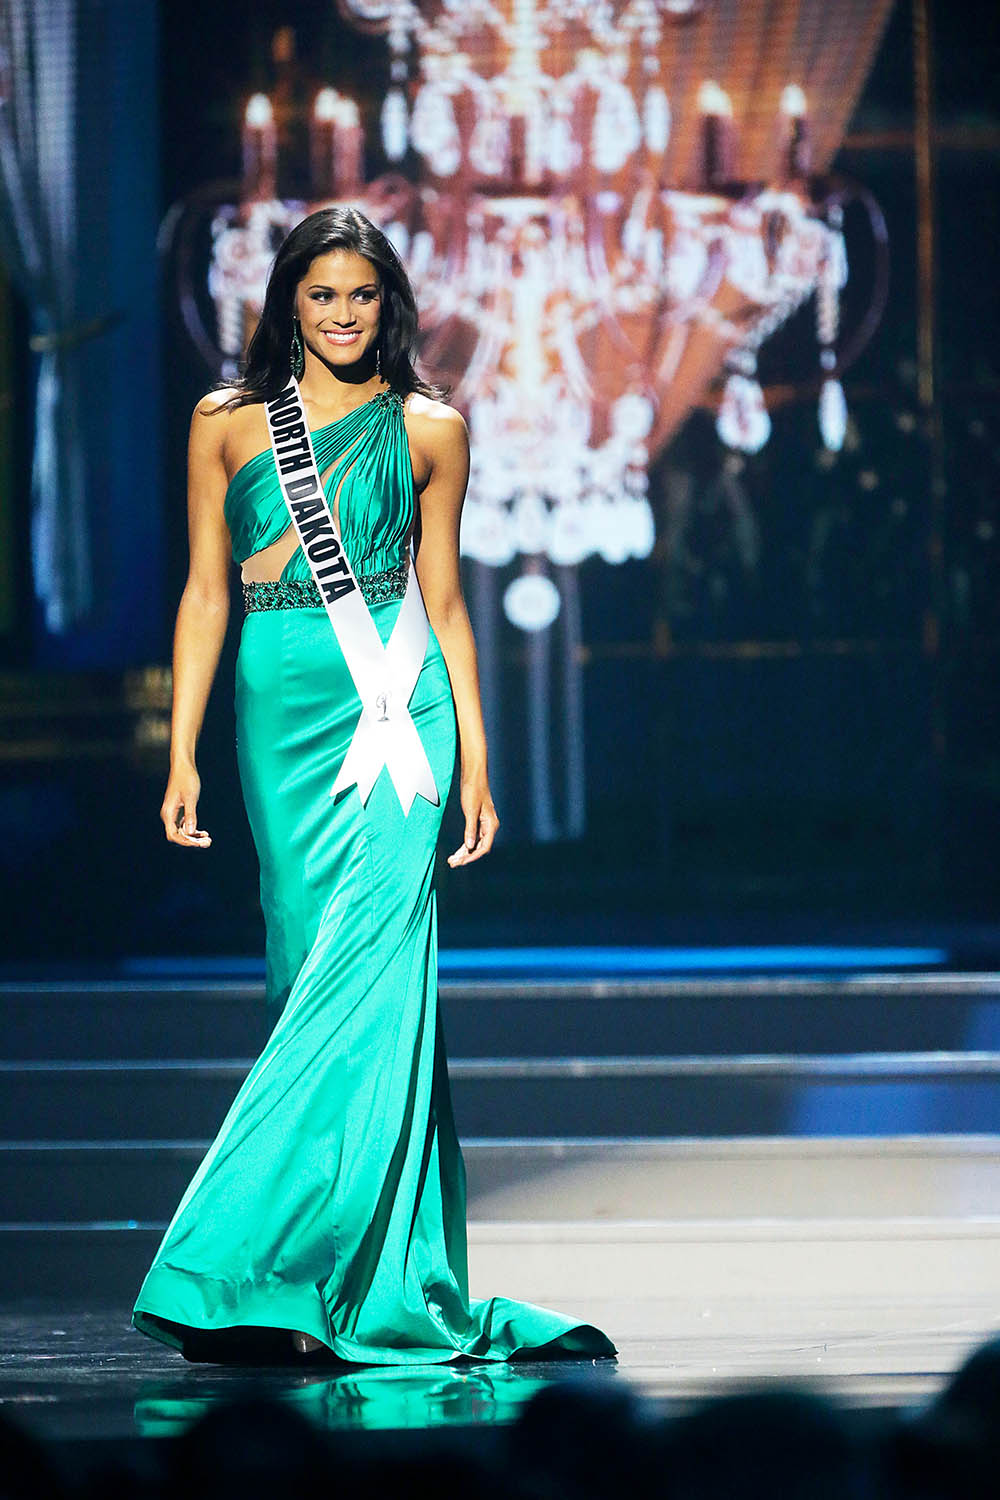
(585, 260)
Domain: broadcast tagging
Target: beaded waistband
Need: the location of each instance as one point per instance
(302, 593)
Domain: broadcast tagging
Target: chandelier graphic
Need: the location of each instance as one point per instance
(606, 207)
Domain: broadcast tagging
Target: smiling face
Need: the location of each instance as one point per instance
(338, 303)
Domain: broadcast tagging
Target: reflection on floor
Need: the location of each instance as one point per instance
(74, 1372)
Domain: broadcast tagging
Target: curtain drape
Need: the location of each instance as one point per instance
(38, 243)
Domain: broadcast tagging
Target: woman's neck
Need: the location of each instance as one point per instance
(327, 391)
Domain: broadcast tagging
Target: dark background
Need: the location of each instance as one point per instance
(791, 708)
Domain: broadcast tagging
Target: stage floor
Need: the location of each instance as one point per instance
(856, 1251)
(70, 1371)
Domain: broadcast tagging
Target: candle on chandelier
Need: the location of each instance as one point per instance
(718, 135)
(797, 147)
(335, 144)
(260, 148)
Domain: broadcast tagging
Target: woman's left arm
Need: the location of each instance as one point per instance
(443, 440)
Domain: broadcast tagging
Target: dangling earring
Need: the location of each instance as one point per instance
(378, 360)
(297, 357)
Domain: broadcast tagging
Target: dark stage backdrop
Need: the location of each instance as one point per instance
(82, 508)
(739, 669)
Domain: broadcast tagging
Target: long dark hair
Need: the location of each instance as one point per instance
(267, 367)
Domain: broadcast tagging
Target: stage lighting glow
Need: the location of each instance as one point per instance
(663, 961)
(531, 602)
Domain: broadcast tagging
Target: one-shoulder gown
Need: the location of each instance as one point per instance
(332, 1199)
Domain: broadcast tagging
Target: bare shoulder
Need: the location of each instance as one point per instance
(211, 405)
(227, 435)
(436, 426)
(211, 423)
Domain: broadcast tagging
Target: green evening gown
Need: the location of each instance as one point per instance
(332, 1199)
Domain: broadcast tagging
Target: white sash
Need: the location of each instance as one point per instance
(384, 676)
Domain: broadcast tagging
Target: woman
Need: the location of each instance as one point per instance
(329, 1213)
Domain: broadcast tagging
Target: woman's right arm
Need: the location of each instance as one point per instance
(202, 617)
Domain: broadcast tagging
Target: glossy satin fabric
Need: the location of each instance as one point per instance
(333, 1197)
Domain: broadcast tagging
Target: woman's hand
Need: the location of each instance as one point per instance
(180, 808)
(481, 822)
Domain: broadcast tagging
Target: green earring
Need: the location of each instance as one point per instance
(297, 359)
